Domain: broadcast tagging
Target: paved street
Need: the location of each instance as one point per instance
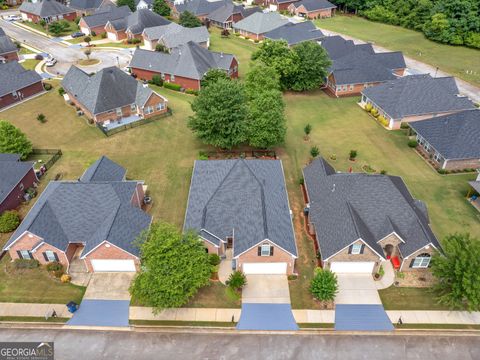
(66, 56)
(70, 344)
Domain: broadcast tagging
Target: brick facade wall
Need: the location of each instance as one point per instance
(35, 18)
(367, 255)
(88, 30)
(23, 94)
(212, 249)
(407, 261)
(347, 89)
(11, 56)
(318, 14)
(250, 35)
(138, 195)
(153, 101)
(279, 255)
(186, 83)
(109, 252)
(15, 198)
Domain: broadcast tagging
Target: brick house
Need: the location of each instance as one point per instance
(473, 194)
(47, 10)
(276, 5)
(414, 98)
(199, 8)
(173, 35)
(133, 25)
(8, 50)
(295, 33)
(356, 67)
(449, 141)
(17, 84)
(186, 65)
(225, 16)
(312, 9)
(361, 221)
(241, 212)
(111, 96)
(96, 22)
(93, 221)
(88, 7)
(15, 178)
(256, 25)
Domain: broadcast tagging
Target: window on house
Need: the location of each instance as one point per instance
(438, 157)
(148, 110)
(350, 87)
(160, 106)
(421, 261)
(25, 254)
(356, 249)
(426, 146)
(163, 76)
(133, 107)
(21, 186)
(119, 111)
(265, 250)
(172, 77)
(50, 255)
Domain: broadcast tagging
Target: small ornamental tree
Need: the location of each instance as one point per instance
(174, 267)
(189, 20)
(58, 27)
(42, 118)
(237, 280)
(87, 39)
(161, 7)
(314, 152)
(324, 285)
(212, 76)
(457, 272)
(307, 130)
(13, 141)
(87, 53)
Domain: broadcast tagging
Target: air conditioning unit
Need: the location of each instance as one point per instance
(79, 112)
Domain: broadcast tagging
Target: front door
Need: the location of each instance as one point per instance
(229, 242)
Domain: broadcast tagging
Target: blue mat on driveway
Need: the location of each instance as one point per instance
(101, 313)
(361, 318)
(266, 317)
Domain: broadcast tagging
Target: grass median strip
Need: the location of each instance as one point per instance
(182, 323)
(33, 319)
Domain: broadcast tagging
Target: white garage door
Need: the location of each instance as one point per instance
(265, 268)
(112, 36)
(113, 265)
(352, 266)
(273, 7)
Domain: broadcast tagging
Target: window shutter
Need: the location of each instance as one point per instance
(259, 251)
(350, 249)
(411, 263)
(271, 250)
(30, 254)
(45, 256)
(363, 248)
(19, 254)
(56, 256)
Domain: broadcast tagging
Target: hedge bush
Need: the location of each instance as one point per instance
(9, 221)
(54, 266)
(156, 80)
(404, 125)
(172, 86)
(413, 143)
(214, 259)
(61, 91)
(368, 107)
(26, 264)
(191, 92)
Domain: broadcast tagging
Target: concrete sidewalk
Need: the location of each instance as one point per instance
(185, 314)
(34, 310)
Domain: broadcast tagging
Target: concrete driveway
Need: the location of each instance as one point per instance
(109, 286)
(357, 289)
(267, 289)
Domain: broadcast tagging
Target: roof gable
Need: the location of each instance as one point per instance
(15, 77)
(12, 171)
(259, 22)
(104, 169)
(295, 33)
(6, 44)
(45, 8)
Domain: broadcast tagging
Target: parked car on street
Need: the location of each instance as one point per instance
(77, 34)
(13, 18)
(51, 62)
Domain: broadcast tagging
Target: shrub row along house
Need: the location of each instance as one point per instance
(451, 141)
(46, 10)
(185, 66)
(356, 67)
(96, 219)
(17, 84)
(110, 97)
(361, 220)
(173, 35)
(8, 50)
(15, 178)
(241, 212)
(96, 22)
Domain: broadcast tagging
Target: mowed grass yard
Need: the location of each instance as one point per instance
(455, 60)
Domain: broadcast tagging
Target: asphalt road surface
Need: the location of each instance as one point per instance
(66, 56)
(89, 344)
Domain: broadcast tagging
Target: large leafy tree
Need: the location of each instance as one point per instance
(58, 27)
(174, 267)
(213, 75)
(13, 141)
(161, 7)
(189, 20)
(220, 114)
(312, 68)
(457, 272)
(129, 3)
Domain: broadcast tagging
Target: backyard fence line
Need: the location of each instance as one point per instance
(222, 154)
(57, 153)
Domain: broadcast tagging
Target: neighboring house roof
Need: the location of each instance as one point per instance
(45, 8)
(347, 206)
(105, 14)
(6, 44)
(189, 60)
(104, 169)
(222, 14)
(315, 5)
(14, 76)
(475, 185)
(106, 90)
(245, 199)
(418, 95)
(200, 7)
(295, 33)
(148, 2)
(12, 171)
(260, 23)
(455, 136)
(138, 21)
(338, 47)
(86, 212)
(173, 35)
(88, 4)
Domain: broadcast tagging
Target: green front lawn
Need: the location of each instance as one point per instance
(214, 295)
(118, 45)
(455, 60)
(30, 64)
(73, 27)
(406, 298)
(80, 39)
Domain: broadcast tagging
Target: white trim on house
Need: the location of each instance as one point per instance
(256, 244)
(359, 239)
(392, 233)
(21, 235)
(103, 242)
(424, 247)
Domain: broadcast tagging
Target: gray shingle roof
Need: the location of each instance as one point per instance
(260, 23)
(68, 212)
(475, 185)
(345, 207)
(315, 5)
(139, 21)
(417, 95)
(45, 8)
(106, 90)
(338, 47)
(13, 77)
(455, 136)
(104, 169)
(173, 35)
(86, 4)
(6, 44)
(188, 60)
(224, 12)
(11, 172)
(246, 199)
(105, 14)
(200, 7)
(295, 33)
